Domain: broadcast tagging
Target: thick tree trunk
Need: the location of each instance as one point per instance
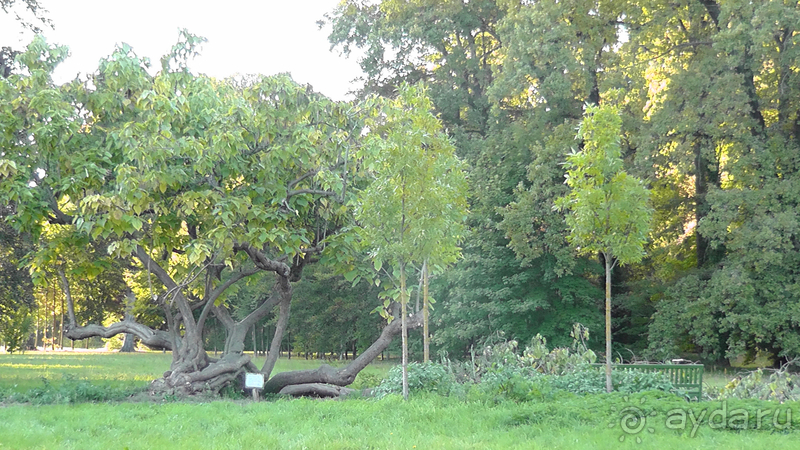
(316, 390)
(129, 345)
(193, 371)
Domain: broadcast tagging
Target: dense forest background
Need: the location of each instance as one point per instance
(709, 94)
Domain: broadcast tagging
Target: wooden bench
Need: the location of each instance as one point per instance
(687, 377)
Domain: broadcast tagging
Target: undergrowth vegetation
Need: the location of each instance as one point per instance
(763, 384)
(502, 372)
(502, 398)
(70, 390)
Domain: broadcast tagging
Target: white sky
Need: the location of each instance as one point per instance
(244, 36)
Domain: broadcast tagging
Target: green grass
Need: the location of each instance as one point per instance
(22, 372)
(426, 421)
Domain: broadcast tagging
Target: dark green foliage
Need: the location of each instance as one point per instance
(15, 328)
(489, 291)
(16, 288)
(331, 315)
(708, 97)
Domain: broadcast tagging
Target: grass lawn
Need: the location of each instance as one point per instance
(21, 372)
(425, 421)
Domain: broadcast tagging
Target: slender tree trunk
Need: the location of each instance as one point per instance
(263, 345)
(609, 386)
(36, 338)
(61, 326)
(255, 348)
(45, 316)
(403, 325)
(53, 328)
(426, 339)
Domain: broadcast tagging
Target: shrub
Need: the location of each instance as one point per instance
(780, 385)
(499, 355)
(592, 381)
(520, 388)
(365, 380)
(422, 377)
(524, 386)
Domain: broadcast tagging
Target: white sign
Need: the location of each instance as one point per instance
(254, 381)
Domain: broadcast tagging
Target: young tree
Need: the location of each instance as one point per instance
(608, 211)
(413, 209)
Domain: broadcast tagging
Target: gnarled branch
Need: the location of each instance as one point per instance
(326, 374)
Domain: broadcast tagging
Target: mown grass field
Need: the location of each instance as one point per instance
(21, 372)
(425, 422)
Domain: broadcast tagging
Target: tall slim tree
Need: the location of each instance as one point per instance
(415, 205)
(608, 210)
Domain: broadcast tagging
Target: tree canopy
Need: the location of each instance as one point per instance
(206, 183)
(706, 92)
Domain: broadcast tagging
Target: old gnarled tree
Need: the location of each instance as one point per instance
(199, 184)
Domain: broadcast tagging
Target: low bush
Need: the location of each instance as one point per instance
(422, 377)
(592, 380)
(366, 380)
(501, 372)
(780, 385)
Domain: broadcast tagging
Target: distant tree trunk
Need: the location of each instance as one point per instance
(36, 337)
(263, 345)
(255, 348)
